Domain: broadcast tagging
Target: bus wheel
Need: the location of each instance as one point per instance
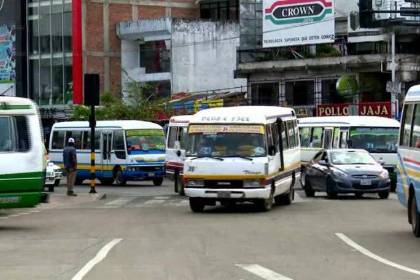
(196, 205)
(119, 178)
(157, 181)
(285, 199)
(265, 205)
(415, 217)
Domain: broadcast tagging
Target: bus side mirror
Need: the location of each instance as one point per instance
(178, 153)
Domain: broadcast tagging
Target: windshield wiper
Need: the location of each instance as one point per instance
(247, 158)
(218, 158)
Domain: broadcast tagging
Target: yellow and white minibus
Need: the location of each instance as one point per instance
(245, 153)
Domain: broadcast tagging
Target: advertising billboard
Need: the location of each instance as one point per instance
(7, 59)
(297, 22)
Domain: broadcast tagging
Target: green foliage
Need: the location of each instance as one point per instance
(139, 104)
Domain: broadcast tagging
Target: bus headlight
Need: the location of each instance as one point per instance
(252, 184)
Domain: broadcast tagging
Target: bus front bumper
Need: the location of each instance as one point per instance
(137, 173)
(239, 194)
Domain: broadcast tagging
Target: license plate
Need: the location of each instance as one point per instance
(151, 174)
(223, 194)
(365, 182)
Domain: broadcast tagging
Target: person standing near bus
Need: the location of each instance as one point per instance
(70, 165)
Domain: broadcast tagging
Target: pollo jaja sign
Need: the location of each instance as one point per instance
(297, 22)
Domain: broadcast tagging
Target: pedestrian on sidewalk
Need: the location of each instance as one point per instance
(70, 165)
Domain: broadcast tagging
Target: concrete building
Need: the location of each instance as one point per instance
(305, 76)
(180, 56)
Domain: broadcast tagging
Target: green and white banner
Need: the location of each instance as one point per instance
(297, 22)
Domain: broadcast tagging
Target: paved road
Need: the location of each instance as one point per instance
(146, 232)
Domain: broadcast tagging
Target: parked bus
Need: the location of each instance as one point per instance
(176, 141)
(408, 185)
(377, 135)
(242, 154)
(125, 150)
(22, 164)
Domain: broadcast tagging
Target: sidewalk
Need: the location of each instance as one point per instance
(59, 198)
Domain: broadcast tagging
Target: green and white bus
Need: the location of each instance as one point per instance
(22, 163)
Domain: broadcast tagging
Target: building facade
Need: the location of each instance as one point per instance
(305, 76)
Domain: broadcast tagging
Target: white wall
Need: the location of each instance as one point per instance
(204, 56)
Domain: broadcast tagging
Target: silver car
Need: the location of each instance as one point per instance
(345, 171)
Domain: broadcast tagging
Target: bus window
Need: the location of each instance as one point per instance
(284, 136)
(58, 140)
(172, 136)
(336, 141)
(305, 136)
(77, 136)
(86, 140)
(22, 143)
(343, 139)
(183, 137)
(406, 125)
(296, 130)
(118, 144)
(328, 138)
(291, 134)
(316, 137)
(6, 137)
(415, 138)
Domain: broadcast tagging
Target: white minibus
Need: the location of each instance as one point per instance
(22, 164)
(245, 153)
(377, 135)
(176, 140)
(408, 183)
(125, 150)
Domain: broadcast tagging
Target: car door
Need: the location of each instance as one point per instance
(319, 173)
(311, 172)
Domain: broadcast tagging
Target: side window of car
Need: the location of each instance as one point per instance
(317, 156)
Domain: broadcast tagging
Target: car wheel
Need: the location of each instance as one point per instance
(358, 195)
(196, 204)
(119, 178)
(415, 217)
(57, 182)
(157, 181)
(383, 194)
(331, 192)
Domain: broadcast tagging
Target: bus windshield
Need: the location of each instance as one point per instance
(144, 140)
(374, 139)
(226, 141)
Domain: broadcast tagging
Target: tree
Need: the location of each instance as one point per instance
(138, 104)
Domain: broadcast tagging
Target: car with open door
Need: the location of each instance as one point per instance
(338, 171)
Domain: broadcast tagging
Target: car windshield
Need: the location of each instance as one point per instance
(374, 139)
(226, 141)
(351, 157)
(144, 140)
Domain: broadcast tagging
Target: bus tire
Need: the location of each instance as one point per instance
(196, 204)
(158, 181)
(285, 199)
(265, 205)
(57, 182)
(119, 177)
(415, 216)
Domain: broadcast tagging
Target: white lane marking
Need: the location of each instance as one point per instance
(97, 259)
(161, 197)
(119, 202)
(369, 254)
(263, 272)
(154, 202)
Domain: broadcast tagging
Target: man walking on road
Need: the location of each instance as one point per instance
(70, 165)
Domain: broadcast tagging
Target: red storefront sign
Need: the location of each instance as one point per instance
(382, 109)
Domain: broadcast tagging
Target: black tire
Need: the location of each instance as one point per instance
(309, 191)
(265, 205)
(415, 217)
(119, 178)
(57, 182)
(106, 181)
(331, 192)
(51, 188)
(285, 199)
(383, 194)
(158, 181)
(196, 204)
(358, 195)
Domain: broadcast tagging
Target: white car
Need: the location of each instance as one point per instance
(53, 175)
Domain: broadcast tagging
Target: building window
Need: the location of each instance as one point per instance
(329, 92)
(155, 57)
(265, 94)
(300, 93)
(220, 10)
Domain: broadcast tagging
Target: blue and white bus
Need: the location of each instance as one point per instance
(125, 150)
(408, 177)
